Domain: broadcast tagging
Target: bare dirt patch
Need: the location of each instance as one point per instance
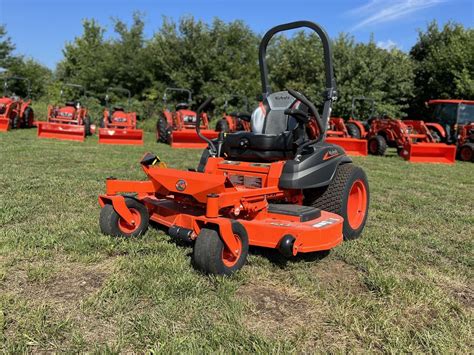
(275, 309)
(336, 275)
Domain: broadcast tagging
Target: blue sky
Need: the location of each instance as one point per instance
(40, 28)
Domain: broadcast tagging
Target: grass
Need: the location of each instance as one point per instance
(405, 286)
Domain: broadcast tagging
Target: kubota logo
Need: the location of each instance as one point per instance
(181, 185)
(282, 97)
(330, 154)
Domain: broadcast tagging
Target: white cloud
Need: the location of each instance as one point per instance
(388, 44)
(377, 11)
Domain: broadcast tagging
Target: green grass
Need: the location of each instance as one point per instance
(405, 286)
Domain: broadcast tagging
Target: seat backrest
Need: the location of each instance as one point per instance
(270, 117)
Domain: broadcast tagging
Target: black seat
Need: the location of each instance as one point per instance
(71, 104)
(270, 140)
(182, 106)
(118, 108)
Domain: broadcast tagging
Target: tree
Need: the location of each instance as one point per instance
(444, 63)
(6, 47)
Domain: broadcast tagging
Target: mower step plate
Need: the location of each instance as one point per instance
(305, 213)
(352, 146)
(188, 138)
(120, 136)
(430, 153)
(61, 131)
(4, 124)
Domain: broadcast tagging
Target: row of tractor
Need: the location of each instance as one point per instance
(446, 135)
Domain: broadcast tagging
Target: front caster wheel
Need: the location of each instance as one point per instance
(112, 224)
(211, 256)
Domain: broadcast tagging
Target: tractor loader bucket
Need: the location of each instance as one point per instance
(429, 153)
(352, 146)
(4, 124)
(61, 131)
(120, 136)
(188, 138)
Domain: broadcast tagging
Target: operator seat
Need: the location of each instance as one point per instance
(275, 135)
(182, 106)
(71, 104)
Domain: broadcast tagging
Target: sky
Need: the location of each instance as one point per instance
(40, 28)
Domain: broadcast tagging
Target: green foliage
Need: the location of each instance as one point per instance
(38, 75)
(444, 63)
(6, 47)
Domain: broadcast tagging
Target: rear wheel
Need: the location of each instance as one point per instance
(211, 256)
(377, 145)
(353, 130)
(163, 131)
(112, 224)
(222, 126)
(16, 122)
(28, 117)
(466, 152)
(87, 125)
(347, 195)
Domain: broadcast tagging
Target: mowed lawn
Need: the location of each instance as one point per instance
(406, 285)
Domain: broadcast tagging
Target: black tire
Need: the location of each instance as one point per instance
(209, 250)
(110, 221)
(16, 122)
(222, 126)
(466, 152)
(87, 125)
(335, 197)
(377, 145)
(353, 130)
(163, 131)
(27, 118)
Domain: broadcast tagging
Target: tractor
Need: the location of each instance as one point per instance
(455, 124)
(119, 124)
(235, 120)
(68, 122)
(178, 127)
(15, 111)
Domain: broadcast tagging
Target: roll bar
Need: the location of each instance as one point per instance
(117, 89)
(189, 92)
(200, 109)
(17, 78)
(330, 94)
(362, 98)
(75, 86)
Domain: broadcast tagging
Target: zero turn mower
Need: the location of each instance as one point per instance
(68, 122)
(15, 111)
(279, 186)
(178, 128)
(119, 125)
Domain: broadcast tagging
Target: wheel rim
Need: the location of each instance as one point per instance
(228, 258)
(373, 146)
(130, 228)
(466, 154)
(357, 204)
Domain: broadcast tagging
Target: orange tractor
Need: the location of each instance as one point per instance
(178, 127)
(273, 187)
(68, 122)
(119, 125)
(235, 121)
(15, 111)
(416, 141)
(455, 125)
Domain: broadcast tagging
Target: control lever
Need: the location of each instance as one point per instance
(300, 115)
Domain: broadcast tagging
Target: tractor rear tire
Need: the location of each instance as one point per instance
(112, 224)
(163, 131)
(377, 145)
(353, 130)
(210, 255)
(347, 196)
(27, 118)
(87, 125)
(466, 152)
(16, 122)
(222, 126)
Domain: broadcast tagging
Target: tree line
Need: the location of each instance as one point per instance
(221, 58)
